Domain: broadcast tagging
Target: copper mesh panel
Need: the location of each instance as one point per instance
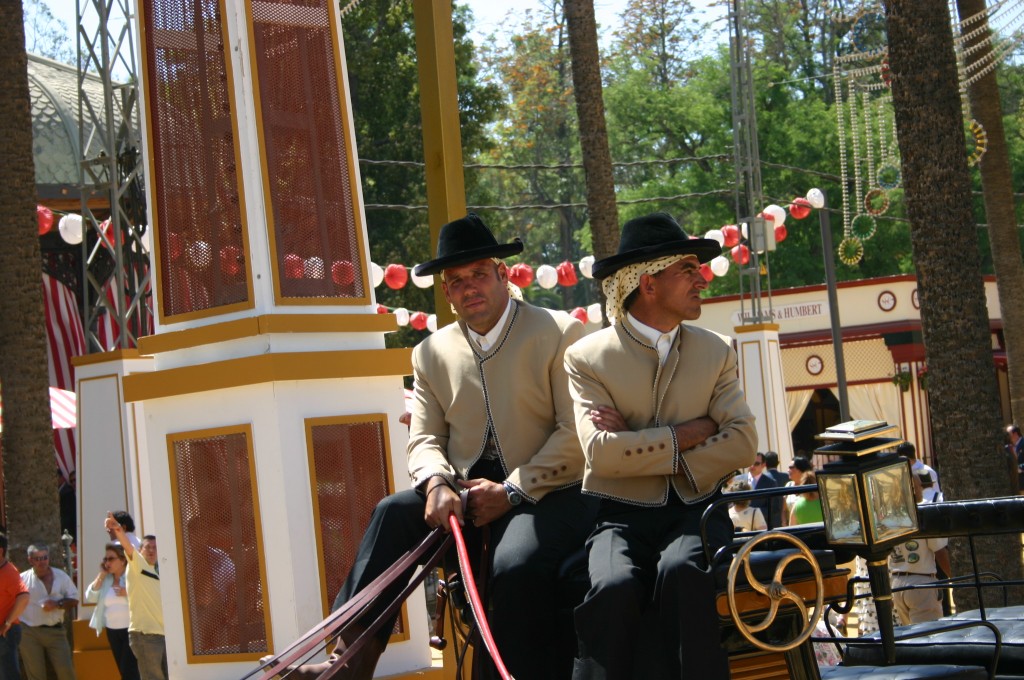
(349, 461)
(317, 250)
(219, 538)
(202, 258)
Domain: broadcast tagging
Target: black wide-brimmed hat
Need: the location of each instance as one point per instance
(652, 237)
(466, 240)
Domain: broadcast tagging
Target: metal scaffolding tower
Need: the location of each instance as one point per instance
(747, 193)
(116, 296)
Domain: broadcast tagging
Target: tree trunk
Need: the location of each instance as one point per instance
(597, 159)
(962, 387)
(28, 464)
(997, 186)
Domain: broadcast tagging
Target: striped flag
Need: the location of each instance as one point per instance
(65, 339)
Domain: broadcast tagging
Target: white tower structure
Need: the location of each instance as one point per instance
(255, 430)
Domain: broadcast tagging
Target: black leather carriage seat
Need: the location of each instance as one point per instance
(904, 672)
(968, 646)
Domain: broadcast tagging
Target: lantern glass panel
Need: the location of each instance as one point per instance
(893, 510)
(841, 509)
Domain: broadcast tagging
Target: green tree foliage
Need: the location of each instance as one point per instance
(380, 49)
(46, 35)
(539, 132)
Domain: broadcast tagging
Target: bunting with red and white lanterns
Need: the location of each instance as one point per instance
(733, 239)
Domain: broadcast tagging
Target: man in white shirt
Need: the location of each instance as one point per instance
(51, 592)
(915, 562)
(931, 493)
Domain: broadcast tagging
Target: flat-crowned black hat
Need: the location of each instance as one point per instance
(466, 240)
(652, 237)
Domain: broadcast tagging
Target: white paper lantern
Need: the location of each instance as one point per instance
(70, 228)
(432, 323)
(313, 268)
(422, 281)
(547, 276)
(743, 230)
(376, 274)
(199, 254)
(778, 214)
(594, 314)
(719, 266)
(716, 235)
(816, 198)
(587, 266)
(402, 316)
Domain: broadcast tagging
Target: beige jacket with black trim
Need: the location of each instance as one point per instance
(617, 367)
(519, 386)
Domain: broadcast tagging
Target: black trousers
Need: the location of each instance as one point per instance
(123, 655)
(528, 545)
(650, 612)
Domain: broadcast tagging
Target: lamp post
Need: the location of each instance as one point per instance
(825, 220)
(868, 504)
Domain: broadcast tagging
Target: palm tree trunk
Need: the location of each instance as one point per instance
(962, 388)
(597, 159)
(28, 464)
(997, 187)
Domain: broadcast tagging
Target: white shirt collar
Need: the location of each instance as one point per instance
(660, 340)
(487, 340)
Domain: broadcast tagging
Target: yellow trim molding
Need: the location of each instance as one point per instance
(171, 341)
(266, 368)
(754, 327)
(104, 357)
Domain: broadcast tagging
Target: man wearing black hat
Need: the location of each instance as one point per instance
(663, 424)
(491, 415)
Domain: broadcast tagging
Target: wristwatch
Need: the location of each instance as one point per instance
(514, 497)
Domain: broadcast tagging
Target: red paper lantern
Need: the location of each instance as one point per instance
(343, 272)
(521, 274)
(579, 314)
(731, 233)
(174, 245)
(107, 229)
(799, 209)
(294, 266)
(381, 309)
(780, 233)
(566, 274)
(418, 320)
(44, 216)
(705, 271)
(230, 260)
(741, 254)
(396, 276)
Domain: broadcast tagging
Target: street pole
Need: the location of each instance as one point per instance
(833, 309)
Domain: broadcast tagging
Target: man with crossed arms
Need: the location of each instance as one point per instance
(663, 424)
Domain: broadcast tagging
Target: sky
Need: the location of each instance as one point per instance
(490, 15)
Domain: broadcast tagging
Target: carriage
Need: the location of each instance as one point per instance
(772, 590)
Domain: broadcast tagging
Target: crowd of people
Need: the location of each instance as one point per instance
(126, 592)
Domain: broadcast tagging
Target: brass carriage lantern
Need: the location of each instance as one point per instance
(867, 497)
(868, 503)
